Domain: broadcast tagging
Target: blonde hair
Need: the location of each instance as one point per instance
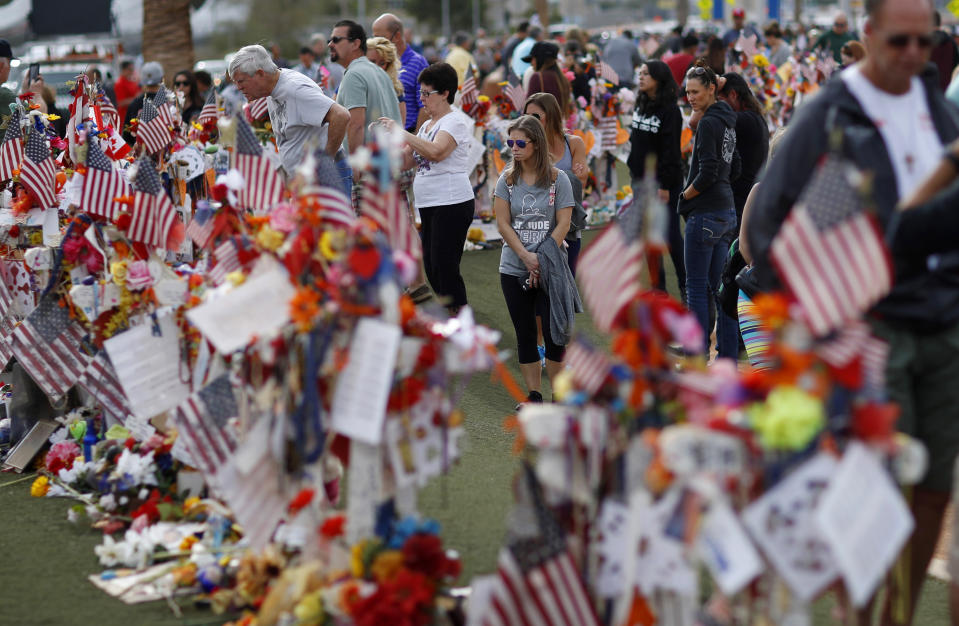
(387, 51)
(540, 162)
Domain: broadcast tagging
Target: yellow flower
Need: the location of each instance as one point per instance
(53, 117)
(483, 98)
(269, 238)
(236, 278)
(309, 610)
(188, 542)
(118, 270)
(331, 243)
(386, 565)
(190, 503)
(788, 419)
(562, 384)
(761, 61)
(356, 558)
(267, 126)
(40, 487)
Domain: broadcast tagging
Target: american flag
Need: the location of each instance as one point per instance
(609, 274)
(11, 152)
(830, 253)
(468, 92)
(202, 422)
(37, 173)
(845, 346)
(152, 131)
(826, 65)
(107, 111)
(257, 109)
(201, 226)
(607, 73)
(162, 103)
(264, 187)
(255, 499)
(537, 582)
(516, 94)
(209, 109)
(102, 184)
(100, 381)
(388, 210)
(7, 321)
(335, 206)
(153, 213)
(49, 346)
(875, 354)
(227, 260)
(588, 365)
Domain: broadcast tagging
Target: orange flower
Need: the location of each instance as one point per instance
(304, 306)
(772, 308)
(386, 565)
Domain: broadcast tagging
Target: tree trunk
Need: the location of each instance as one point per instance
(682, 11)
(167, 36)
(542, 8)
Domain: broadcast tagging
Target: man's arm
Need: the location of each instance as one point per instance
(337, 118)
(355, 128)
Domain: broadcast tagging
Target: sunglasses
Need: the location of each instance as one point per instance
(181, 83)
(339, 39)
(902, 41)
(426, 94)
(519, 143)
(700, 73)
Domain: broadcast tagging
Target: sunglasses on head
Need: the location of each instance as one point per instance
(699, 73)
(902, 41)
(339, 39)
(519, 143)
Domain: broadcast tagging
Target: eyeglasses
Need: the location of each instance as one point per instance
(519, 143)
(181, 83)
(902, 41)
(339, 39)
(426, 94)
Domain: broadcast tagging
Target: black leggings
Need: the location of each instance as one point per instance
(523, 308)
(444, 233)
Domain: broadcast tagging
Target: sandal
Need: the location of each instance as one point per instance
(421, 294)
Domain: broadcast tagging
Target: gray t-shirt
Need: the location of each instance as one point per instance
(532, 216)
(297, 109)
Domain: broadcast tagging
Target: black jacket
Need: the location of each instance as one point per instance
(715, 162)
(925, 295)
(657, 131)
(752, 143)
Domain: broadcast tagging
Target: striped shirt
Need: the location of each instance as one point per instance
(412, 64)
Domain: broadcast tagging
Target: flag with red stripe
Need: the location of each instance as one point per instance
(101, 382)
(537, 581)
(388, 210)
(830, 253)
(202, 420)
(227, 261)
(49, 346)
(335, 207)
(264, 186)
(153, 213)
(37, 172)
(468, 93)
(201, 226)
(107, 111)
(208, 112)
(607, 73)
(608, 273)
(257, 109)
(7, 323)
(516, 94)
(588, 365)
(152, 131)
(11, 152)
(102, 184)
(163, 106)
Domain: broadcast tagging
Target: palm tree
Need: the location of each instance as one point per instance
(167, 35)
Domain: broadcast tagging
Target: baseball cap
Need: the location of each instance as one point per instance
(542, 50)
(6, 51)
(151, 73)
(739, 13)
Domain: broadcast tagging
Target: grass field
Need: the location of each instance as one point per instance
(46, 559)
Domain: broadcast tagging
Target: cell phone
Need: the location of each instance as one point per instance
(33, 73)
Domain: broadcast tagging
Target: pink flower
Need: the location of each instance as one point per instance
(61, 456)
(72, 248)
(283, 218)
(154, 442)
(138, 276)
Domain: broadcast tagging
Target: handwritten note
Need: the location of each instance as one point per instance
(147, 361)
(726, 550)
(257, 308)
(782, 524)
(363, 388)
(613, 525)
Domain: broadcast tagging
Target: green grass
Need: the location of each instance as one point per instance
(46, 559)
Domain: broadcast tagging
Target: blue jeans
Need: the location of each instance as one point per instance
(346, 173)
(708, 237)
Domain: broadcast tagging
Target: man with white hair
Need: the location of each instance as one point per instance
(300, 113)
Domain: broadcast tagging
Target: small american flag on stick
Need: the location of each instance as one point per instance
(201, 227)
(101, 382)
(513, 89)
(49, 346)
(102, 184)
(11, 152)
(208, 112)
(588, 365)
(152, 131)
(386, 208)
(227, 260)
(153, 213)
(7, 322)
(257, 109)
(607, 73)
(609, 274)
(468, 92)
(162, 103)
(107, 111)
(264, 187)
(37, 172)
(335, 206)
(202, 420)
(830, 253)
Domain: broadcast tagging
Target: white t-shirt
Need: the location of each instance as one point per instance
(297, 109)
(441, 183)
(905, 125)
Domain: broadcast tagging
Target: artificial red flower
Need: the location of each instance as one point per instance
(123, 220)
(14, 231)
(301, 500)
(406, 600)
(874, 421)
(333, 526)
(424, 553)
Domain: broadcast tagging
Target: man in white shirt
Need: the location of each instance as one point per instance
(301, 115)
(893, 125)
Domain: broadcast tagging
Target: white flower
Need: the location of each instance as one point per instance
(143, 494)
(58, 436)
(93, 513)
(111, 552)
(139, 469)
(108, 502)
(72, 475)
(72, 516)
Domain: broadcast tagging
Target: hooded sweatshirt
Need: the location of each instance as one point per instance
(715, 162)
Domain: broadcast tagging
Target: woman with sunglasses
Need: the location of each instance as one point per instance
(533, 201)
(567, 153)
(708, 206)
(188, 95)
(442, 190)
(382, 52)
